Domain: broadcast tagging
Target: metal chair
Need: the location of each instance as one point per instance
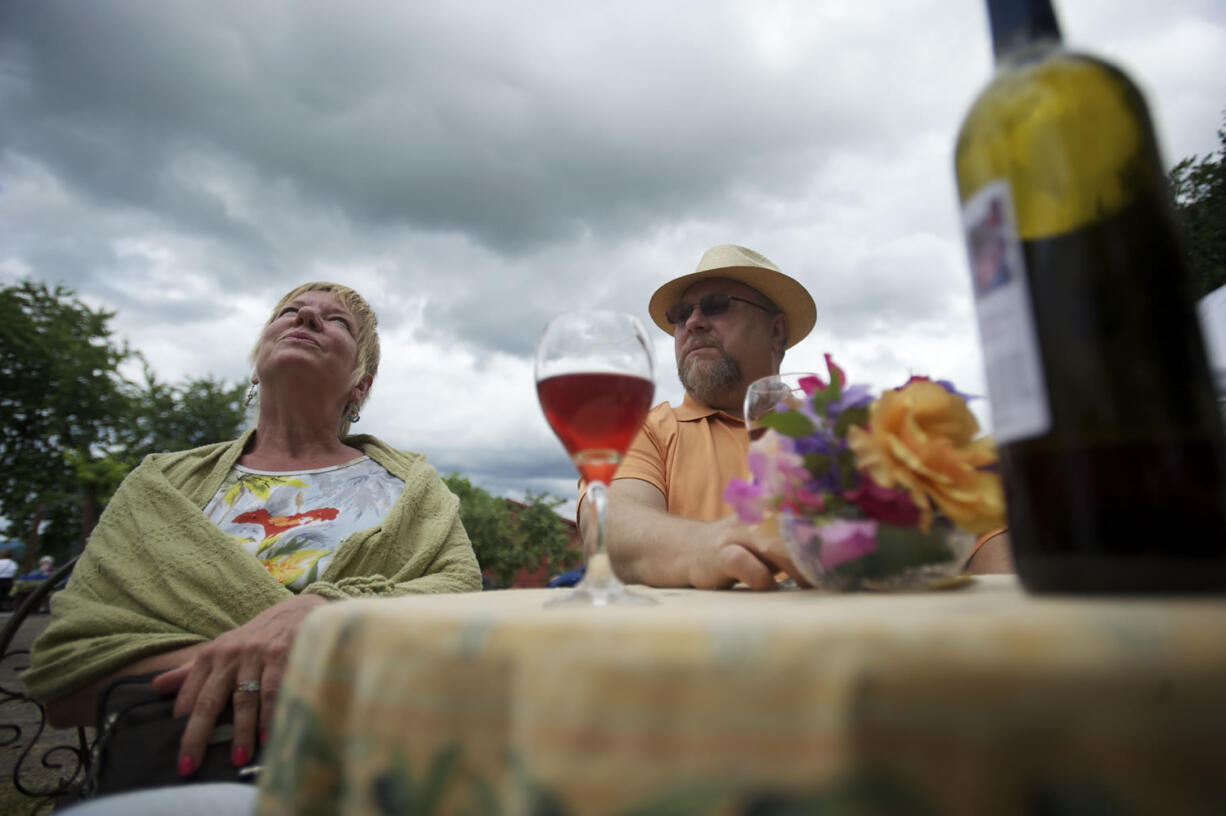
(22, 720)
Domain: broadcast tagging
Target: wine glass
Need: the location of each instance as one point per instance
(594, 381)
(770, 394)
(778, 392)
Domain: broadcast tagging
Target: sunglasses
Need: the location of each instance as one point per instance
(713, 304)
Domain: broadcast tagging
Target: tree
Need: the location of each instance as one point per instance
(71, 427)
(166, 417)
(60, 390)
(506, 541)
(1198, 185)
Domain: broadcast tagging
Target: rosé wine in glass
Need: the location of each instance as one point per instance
(596, 416)
(594, 382)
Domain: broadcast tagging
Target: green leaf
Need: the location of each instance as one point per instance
(850, 416)
(834, 391)
(898, 549)
(821, 402)
(789, 423)
(848, 475)
(819, 462)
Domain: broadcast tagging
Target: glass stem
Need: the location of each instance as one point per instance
(600, 498)
(599, 575)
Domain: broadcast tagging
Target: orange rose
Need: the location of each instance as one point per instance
(920, 438)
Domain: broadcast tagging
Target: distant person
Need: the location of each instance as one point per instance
(206, 561)
(46, 566)
(29, 582)
(8, 571)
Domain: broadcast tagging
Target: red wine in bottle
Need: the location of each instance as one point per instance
(1103, 406)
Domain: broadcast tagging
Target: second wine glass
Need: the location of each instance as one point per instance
(594, 381)
(774, 393)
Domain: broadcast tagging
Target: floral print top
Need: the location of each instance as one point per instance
(294, 522)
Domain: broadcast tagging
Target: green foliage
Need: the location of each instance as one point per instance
(59, 392)
(167, 417)
(507, 539)
(71, 427)
(899, 549)
(788, 423)
(545, 533)
(1198, 185)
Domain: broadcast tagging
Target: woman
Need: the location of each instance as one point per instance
(206, 561)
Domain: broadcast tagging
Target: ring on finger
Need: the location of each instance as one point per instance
(248, 685)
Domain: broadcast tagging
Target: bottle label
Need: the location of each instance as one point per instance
(1020, 408)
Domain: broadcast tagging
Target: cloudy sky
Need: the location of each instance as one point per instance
(475, 167)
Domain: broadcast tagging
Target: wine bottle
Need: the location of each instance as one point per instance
(1103, 406)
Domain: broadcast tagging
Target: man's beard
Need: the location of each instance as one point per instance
(709, 381)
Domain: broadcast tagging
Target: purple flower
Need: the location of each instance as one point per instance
(946, 384)
(820, 441)
(844, 541)
(855, 396)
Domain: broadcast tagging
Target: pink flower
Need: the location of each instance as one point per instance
(746, 499)
(882, 503)
(800, 500)
(844, 541)
(774, 463)
(836, 376)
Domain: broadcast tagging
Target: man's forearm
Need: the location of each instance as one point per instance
(651, 546)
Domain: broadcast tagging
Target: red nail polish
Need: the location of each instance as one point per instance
(187, 766)
(263, 735)
(239, 756)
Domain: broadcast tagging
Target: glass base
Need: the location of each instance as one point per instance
(600, 587)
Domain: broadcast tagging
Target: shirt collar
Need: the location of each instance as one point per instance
(691, 410)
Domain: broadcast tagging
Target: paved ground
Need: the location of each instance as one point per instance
(25, 717)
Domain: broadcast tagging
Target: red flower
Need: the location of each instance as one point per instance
(891, 506)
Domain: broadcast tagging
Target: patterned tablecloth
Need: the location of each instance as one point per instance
(980, 700)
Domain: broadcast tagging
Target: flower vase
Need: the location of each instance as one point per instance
(890, 559)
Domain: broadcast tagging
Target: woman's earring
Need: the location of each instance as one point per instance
(353, 415)
(251, 395)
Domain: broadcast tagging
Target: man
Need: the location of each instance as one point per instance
(667, 524)
(8, 572)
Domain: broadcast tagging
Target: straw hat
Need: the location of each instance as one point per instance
(741, 264)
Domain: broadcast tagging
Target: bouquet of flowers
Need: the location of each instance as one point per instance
(873, 491)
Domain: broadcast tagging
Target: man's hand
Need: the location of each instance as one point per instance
(252, 655)
(738, 553)
(648, 545)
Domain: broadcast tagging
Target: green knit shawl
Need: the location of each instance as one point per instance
(158, 575)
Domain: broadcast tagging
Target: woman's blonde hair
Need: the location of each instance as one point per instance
(366, 333)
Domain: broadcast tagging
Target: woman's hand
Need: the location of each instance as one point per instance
(251, 657)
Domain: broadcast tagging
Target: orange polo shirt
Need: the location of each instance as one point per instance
(689, 453)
